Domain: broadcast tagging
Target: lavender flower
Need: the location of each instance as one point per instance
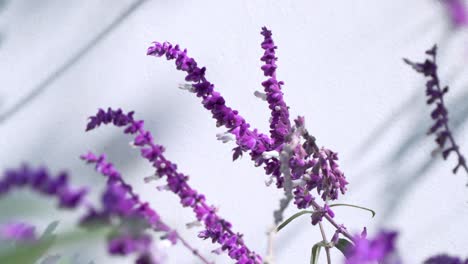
(40, 181)
(381, 249)
(299, 163)
(217, 229)
(435, 94)
(18, 231)
(248, 140)
(445, 259)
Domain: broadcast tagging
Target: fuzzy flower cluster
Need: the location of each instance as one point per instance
(316, 167)
(435, 96)
(217, 229)
(310, 167)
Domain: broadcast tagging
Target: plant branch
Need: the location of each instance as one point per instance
(192, 249)
(325, 241)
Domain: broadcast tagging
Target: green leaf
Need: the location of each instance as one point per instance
(355, 206)
(315, 252)
(51, 259)
(344, 246)
(294, 216)
(50, 229)
(31, 252)
(37, 249)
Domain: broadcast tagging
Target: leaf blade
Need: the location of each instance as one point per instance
(315, 253)
(344, 246)
(355, 206)
(291, 218)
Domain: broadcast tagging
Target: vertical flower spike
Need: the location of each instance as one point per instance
(435, 96)
(217, 229)
(280, 126)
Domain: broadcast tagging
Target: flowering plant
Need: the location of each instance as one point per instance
(307, 173)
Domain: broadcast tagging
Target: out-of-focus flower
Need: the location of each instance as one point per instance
(40, 181)
(381, 248)
(457, 12)
(445, 259)
(18, 231)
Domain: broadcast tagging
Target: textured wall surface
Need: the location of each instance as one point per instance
(341, 63)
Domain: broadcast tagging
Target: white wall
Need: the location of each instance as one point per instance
(340, 60)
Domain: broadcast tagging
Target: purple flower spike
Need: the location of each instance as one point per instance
(119, 198)
(381, 249)
(225, 116)
(21, 232)
(217, 229)
(435, 94)
(40, 181)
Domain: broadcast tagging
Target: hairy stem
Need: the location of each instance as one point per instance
(327, 249)
(269, 259)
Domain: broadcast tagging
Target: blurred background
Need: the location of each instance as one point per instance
(341, 62)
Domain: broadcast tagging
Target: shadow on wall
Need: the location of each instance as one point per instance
(78, 55)
(111, 145)
(114, 146)
(3, 4)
